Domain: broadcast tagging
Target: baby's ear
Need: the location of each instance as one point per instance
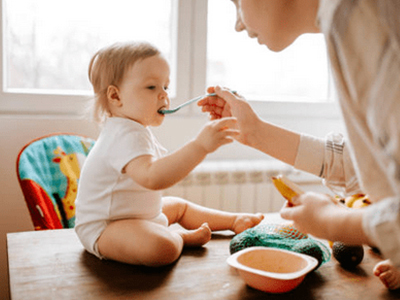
(113, 95)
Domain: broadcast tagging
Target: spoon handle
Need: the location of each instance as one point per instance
(170, 111)
(194, 100)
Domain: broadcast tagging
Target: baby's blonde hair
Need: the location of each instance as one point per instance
(108, 66)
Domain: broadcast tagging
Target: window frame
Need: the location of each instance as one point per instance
(191, 45)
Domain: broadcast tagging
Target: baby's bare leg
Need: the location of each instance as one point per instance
(191, 216)
(140, 242)
(388, 274)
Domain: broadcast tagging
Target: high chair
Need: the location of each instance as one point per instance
(48, 170)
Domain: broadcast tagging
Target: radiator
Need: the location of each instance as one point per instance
(240, 186)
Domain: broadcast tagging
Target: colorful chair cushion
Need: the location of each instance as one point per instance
(48, 169)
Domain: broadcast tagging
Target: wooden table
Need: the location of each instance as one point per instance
(53, 265)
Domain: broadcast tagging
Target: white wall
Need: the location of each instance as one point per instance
(16, 131)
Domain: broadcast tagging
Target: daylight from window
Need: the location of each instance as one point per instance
(48, 44)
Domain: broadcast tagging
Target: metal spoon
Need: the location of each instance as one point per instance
(171, 111)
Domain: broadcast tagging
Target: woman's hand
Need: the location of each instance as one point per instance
(313, 213)
(273, 140)
(321, 216)
(227, 104)
(216, 106)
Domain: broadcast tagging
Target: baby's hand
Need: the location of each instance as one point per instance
(217, 133)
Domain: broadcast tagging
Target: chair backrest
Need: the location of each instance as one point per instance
(48, 170)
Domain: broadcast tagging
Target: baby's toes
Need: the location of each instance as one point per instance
(381, 267)
(390, 280)
(386, 278)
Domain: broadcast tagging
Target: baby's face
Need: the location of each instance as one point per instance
(143, 91)
(272, 22)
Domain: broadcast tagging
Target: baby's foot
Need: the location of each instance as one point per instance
(245, 221)
(388, 274)
(197, 237)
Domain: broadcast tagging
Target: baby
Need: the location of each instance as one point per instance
(120, 212)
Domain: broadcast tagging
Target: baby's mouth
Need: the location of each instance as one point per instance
(164, 107)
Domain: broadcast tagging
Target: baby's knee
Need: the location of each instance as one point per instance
(166, 250)
(175, 202)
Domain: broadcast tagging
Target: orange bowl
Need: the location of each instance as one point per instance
(272, 270)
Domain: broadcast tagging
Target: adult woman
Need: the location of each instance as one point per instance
(363, 40)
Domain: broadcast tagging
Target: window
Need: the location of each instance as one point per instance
(46, 47)
(48, 44)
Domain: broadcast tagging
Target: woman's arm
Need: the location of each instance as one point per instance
(273, 140)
